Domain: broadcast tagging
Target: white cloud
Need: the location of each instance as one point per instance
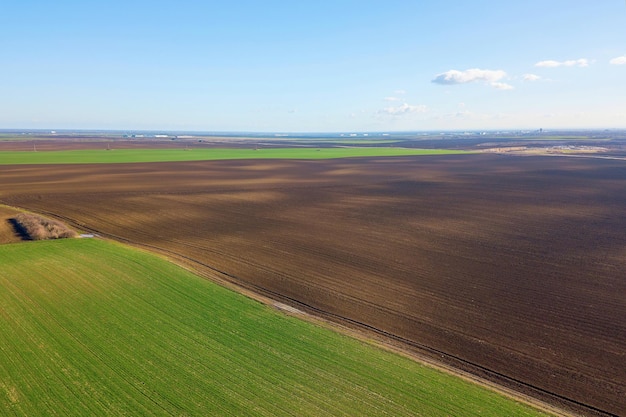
(548, 64)
(403, 109)
(531, 77)
(392, 99)
(502, 86)
(582, 62)
(620, 60)
(492, 77)
(400, 92)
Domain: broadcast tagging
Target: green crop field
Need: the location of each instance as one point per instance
(90, 327)
(170, 155)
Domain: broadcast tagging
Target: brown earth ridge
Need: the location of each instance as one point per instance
(509, 267)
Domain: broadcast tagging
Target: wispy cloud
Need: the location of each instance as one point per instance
(396, 96)
(468, 76)
(491, 77)
(502, 86)
(530, 77)
(403, 109)
(620, 60)
(461, 114)
(582, 62)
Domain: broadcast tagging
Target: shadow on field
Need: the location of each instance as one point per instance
(18, 229)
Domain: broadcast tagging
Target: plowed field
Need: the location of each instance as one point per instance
(510, 267)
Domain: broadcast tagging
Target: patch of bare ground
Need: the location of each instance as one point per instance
(7, 230)
(84, 143)
(508, 268)
(64, 144)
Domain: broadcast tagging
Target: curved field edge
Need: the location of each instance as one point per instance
(93, 327)
(175, 155)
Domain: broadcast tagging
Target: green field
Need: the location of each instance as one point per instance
(90, 327)
(170, 155)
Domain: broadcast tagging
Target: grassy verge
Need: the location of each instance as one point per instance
(170, 155)
(94, 328)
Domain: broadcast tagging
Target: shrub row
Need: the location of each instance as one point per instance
(36, 227)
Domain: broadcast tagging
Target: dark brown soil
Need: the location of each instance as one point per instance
(510, 267)
(68, 143)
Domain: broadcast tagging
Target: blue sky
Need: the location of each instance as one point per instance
(320, 66)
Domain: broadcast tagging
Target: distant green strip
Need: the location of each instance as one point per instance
(118, 156)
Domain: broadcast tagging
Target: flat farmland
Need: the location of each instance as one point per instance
(509, 267)
(96, 328)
